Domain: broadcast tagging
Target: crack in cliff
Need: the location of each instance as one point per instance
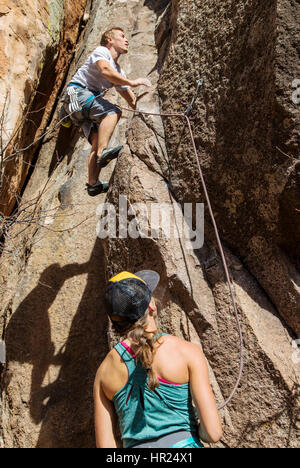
(41, 100)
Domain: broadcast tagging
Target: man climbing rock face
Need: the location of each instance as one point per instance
(95, 115)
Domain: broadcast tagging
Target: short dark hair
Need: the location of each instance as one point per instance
(109, 35)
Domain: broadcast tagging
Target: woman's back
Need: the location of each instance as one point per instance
(170, 363)
(146, 414)
(143, 414)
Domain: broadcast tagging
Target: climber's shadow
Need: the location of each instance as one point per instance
(65, 406)
(66, 142)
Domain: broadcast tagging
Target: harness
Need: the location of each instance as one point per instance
(71, 107)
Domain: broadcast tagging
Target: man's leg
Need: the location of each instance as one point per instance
(93, 167)
(106, 129)
(99, 142)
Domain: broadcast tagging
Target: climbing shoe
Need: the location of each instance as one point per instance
(108, 155)
(99, 187)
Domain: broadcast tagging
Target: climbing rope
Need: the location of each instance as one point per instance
(22, 150)
(185, 116)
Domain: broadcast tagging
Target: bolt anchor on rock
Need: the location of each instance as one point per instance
(188, 110)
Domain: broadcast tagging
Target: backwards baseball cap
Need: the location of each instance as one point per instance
(129, 296)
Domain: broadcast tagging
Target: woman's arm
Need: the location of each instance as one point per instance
(210, 429)
(105, 417)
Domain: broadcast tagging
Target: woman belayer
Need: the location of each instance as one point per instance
(147, 382)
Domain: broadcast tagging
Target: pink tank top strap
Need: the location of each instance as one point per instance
(128, 349)
(134, 357)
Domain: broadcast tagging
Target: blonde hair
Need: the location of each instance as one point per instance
(145, 352)
(109, 34)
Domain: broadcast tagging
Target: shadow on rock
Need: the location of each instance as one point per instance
(65, 406)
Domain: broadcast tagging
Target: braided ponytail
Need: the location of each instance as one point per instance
(144, 343)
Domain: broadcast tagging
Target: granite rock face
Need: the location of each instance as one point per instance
(52, 313)
(37, 40)
(247, 131)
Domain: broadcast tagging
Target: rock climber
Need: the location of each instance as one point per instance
(147, 382)
(84, 102)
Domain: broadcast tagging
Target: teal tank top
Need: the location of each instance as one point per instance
(144, 414)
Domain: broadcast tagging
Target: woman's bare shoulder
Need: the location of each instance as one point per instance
(107, 364)
(185, 345)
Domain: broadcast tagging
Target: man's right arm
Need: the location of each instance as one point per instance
(116, 78)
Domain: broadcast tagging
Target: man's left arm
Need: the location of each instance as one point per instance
(129, 96)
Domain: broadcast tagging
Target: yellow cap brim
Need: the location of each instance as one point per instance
(125, 275)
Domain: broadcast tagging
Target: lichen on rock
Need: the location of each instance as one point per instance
(56, 16)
